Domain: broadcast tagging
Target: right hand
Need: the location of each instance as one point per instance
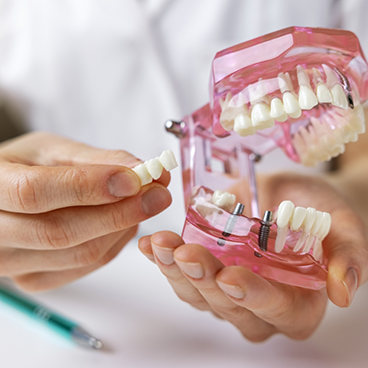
(67, 208)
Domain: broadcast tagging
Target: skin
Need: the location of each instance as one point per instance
(67, 209)
(261, 308)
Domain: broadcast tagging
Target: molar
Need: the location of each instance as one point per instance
(223, 199)
(243, 125)
(261, 118)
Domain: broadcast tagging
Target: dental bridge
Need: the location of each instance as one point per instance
(298, 89)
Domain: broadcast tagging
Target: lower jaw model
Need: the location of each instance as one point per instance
(298, 89)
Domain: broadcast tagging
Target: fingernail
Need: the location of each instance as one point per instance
(165, 255)
(351, 283)
(123, 184)
(155, 200)
(231, 290)
(194, 270)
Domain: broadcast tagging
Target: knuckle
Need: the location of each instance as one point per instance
(22, 194)
(234, 313)
(201, 305)
(52, 232)
(115, 218)
(87, 255)
(83, 193)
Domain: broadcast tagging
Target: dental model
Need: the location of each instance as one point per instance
(152, 169)
(298, 89)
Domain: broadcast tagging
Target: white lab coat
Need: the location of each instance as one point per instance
(110, 72)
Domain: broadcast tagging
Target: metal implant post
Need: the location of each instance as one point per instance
(178, 128)
(264, 231)
(230, 224)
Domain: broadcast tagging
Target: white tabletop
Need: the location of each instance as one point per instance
(129, 305)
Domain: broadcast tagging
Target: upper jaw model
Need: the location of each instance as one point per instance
(298, 89)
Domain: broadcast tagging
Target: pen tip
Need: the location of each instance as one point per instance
(96, 344)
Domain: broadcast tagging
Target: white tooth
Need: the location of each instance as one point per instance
(317, 77)
(302, 75)
(323, 94)
(317, 223)
(280, 238)
(309, 243)
(325, 228)
(223, 199)
(261, 118)
(284, 213)
(309, 219)
(317, 249)
(168, 161)
(227, 117)
(227, 124)
(357, 120)
(225, 103)
(243, 125)
(277, 110)
(338, 97)
(331, 76)
(298, 218)
(301, 241)
(291, 105)
(142, 171)
(154, 168)
(307, 99)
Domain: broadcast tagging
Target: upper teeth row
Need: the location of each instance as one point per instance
(315, 226)
(235, 115)
(152, 169)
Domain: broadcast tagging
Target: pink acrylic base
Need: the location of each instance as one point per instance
(239, 248)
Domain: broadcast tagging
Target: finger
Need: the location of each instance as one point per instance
(41, 281)
(163, 245)
(15, 262)
(293, 311)
(39, 189)
(347, 253)
(69, 227)
(201, 267)
(144, 245)
(60, 151)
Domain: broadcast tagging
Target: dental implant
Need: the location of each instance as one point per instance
(264, 231)
(230, 224)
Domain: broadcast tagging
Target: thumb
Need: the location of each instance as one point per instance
(347, 251)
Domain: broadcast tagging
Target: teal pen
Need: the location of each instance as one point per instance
(63, 326)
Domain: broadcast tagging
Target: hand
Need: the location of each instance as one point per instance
(257, 307)
(67, 208)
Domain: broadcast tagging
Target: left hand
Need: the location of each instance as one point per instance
(257, 307)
